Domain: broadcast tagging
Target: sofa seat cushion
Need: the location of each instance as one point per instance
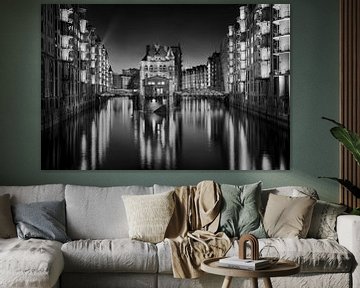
(313, 255)
(110, 255)
(30, 263)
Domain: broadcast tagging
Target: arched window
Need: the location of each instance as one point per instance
(145, 67)
(151, 68)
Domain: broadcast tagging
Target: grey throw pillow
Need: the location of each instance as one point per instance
(44, 220)
(323, 222)
(240, 213)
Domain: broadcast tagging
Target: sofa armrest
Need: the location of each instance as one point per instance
(348, 230)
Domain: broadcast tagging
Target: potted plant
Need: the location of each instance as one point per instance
(351, 141)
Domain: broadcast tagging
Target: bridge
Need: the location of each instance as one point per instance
(203, 93)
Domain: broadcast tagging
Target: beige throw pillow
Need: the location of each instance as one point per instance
(149, 215)
(288, 217)
(7, 226)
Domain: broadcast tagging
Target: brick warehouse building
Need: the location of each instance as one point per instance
(75, 64)
(256, 59)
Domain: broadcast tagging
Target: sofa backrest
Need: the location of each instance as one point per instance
(35, 193)
(98, 212)
(162, 188)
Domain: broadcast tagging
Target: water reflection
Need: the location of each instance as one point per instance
(199, 134)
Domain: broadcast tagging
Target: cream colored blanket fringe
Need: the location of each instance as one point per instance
(191, 231)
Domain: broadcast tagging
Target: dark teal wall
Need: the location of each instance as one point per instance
(314, 93)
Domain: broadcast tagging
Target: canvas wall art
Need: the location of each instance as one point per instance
(165, 87)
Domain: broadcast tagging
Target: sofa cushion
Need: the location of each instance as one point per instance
(109, 280)
(36, 193)
(30, 263)
(43, 220)
(323, 222)
(240, 210)
(98, 213)
(117, 255)
(163, 188)
(7, 226)
(313, 255)
(149, 215)
(287, 216)
(291, 191)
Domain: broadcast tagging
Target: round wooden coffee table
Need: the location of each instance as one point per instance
(281, 268)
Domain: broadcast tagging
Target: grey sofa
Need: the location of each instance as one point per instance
(101, 254)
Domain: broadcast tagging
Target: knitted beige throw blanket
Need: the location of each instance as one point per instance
(191, 232)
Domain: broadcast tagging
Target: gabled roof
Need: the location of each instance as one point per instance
(158, 50)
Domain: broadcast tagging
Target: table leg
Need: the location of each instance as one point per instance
(254, 282)
(267, 283)
(227, 282)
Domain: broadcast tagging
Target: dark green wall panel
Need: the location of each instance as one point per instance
(314, 93)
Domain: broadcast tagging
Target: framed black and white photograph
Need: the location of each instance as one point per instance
(165, 87)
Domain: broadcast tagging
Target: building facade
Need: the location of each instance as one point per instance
(121, 81)
(74, 63)
(160, 70)
(215, 77)
(195, 78)
(256, 59)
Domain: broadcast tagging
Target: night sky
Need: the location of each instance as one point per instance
(127, 29)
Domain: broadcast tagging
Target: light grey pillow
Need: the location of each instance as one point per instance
(240, 212)
(323, 222)
(44, 220)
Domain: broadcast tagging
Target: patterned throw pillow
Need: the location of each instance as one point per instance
(288, 217)
(149, 215)
(7, 226)
(240, 213)
(323, 223)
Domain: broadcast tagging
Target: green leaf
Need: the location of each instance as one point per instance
(348, 138)
(347, 184)
(355, 211)
(333, 121)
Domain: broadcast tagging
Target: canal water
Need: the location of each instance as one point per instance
(200, 134)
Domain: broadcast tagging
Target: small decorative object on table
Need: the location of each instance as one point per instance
(241, 261)
(280, 268)
(254, 245)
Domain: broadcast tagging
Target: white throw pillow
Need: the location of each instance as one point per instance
(149, 215)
